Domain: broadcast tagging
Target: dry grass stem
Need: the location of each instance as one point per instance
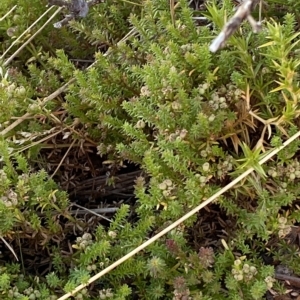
(67, 145)
(64, 157)
(243, 12)
(93, 212)
(179, 221)
(14, 42)
(32, 37)
(9, 12)
(40, 141)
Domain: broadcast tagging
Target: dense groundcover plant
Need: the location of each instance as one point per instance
(192, 120)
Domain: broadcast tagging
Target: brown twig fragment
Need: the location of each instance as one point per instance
(292, 280)
(76, 8)
(243, 12)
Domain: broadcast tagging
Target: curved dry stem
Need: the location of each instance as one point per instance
(38, 142)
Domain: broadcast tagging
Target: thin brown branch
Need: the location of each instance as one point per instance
(295, 281)
(243, 12)
(179, 221)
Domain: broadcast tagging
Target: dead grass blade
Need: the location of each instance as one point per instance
(9, 247)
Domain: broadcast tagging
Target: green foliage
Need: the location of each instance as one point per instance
(252, 160)
(190, 119)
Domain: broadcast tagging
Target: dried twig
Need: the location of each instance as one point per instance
(94, 213)
(293, 280)
(243, 12)
(76, 8)
(104, 210)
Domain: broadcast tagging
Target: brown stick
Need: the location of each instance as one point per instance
(243, 12)
(295, 281)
